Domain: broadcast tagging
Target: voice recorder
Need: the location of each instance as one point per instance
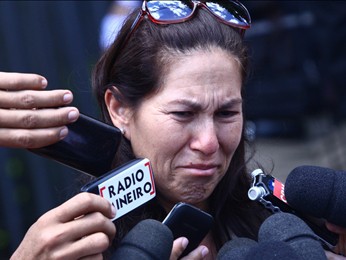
(89, 147)
(185, 220)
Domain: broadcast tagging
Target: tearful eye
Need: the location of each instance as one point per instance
(226, 113)
(182, 114)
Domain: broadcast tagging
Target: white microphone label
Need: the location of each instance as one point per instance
(130, 188)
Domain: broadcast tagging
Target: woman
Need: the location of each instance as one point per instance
(176, 91)
(183, 111)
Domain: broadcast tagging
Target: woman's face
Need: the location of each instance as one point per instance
(192, 127)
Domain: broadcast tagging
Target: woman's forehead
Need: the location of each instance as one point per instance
(202, 65)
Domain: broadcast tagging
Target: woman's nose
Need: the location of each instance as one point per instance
(205, 139)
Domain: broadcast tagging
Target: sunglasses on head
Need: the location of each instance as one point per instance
(232, 13)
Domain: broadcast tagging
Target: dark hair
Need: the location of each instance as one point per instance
(137, 72)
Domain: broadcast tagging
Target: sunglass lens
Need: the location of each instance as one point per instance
(230, 11)
(169, 10)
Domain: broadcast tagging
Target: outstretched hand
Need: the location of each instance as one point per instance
(30, 116)
(79, 228)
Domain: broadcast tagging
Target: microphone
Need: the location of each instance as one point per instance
(148, 240)
(270, 192)
(246, 249)
(272, 250)
(318, 191)
(288, 228)
(236, 248)
(127, 187)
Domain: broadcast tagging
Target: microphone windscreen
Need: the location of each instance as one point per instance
(148, 240)
(272, 250)
(288, 228)
(319, 192)
(236, 248)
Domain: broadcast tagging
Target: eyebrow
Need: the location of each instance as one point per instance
(231, 103)
(196, 106)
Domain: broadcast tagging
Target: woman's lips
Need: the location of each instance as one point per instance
(201, 169)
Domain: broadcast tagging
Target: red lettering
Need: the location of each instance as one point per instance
(151, 177)
(101, 191)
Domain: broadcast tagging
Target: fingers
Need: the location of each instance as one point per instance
(83, 204)
(90, 223)
(22, 138)
(35, 128)
(199, 253)
(90, 245)
(18, 81)
(31, 117)
(179, 246)
(28, 99)
(92, 257)
(332, 256)
(341, 246)
(336, 229)
(59, 235)
(43, 118)
(85, 247)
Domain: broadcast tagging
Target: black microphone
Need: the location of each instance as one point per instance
(148, 240)
(288, 228)
(318, 191)
(272, 250)
(236, 248)
(270, 192)
(246, 249)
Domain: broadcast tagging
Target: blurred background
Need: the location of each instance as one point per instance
(295, 97)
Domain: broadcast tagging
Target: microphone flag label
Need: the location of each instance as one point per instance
(130, 188)
(279, 190)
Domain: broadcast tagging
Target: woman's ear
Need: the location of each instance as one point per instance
(118, 112)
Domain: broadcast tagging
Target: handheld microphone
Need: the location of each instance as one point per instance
(246, 249)
(272, 250)
(288, 228)
(318, 191)
(148, 240)
(126, 187)
(270, 192)
(236, 248)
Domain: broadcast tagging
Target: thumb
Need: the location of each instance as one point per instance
(179, 246)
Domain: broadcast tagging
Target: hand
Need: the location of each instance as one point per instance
(340, 248)
(179, 246)
(79, 228)
(31, 117)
